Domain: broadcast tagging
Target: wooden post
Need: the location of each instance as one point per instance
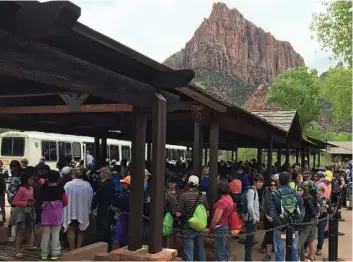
(196, 150)
(206, 156)
(296, 155)
(314, 160)
(287, 153)
(159, 127)
(279, 156)
(259, 159)
(149, 151)
(319, 158)
(96, 152)
(269, 157)
(138, 147)
(236, 154)
(214, 140)
(104, 150)
(308, 149)
(232, 156)
(303, 157)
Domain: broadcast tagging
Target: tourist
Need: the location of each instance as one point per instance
(338, 183)
(172, 195)
(220, 222)
(103, 201)
(24, 163)
(54, 200)
(76, 213)
(307, 232)
(185, 209)
(2, 193)
(25, 215)
(267, 243)
(205, 179)
(276, 212)
(324, 209)
(90, 158)
(253, 215)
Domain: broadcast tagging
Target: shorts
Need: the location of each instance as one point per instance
(75, 223)
(27, 224)
(308, 233)
(12, 220)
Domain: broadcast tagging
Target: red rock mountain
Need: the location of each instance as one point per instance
(227, 43)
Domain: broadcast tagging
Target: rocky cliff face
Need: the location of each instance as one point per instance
(227, 42)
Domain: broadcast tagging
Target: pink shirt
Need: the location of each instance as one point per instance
(327, 189)
(22, 196)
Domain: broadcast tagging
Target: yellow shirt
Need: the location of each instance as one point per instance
(328, 175)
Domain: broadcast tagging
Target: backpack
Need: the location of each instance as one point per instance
(290, 212)
(198, 221)
(235, 222)
(121, 228)
(168, 225)
(242, 205)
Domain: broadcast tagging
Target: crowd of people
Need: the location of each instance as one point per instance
(52, 207)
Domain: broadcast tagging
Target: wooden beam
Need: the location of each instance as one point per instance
(59, 109)
(40, 63)
(137, 179)
(202, 99)
(259, 159)
(197, 149)
(159, 127)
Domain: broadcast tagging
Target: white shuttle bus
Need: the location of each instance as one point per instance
(15, 145)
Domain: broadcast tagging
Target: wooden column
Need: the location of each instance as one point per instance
(197, 149)
(214, 140)
(232, 156)
(96, 152)
(314, 159)
(308, 153)
(159, 127)
(236, 154)
(279, 156)
(303, 157)
(296, 155)
(206, 156)
(269, 157)
(138, 148)
(259, 159)
(319, 158)
(149, 151)
(287, 153)
(104, 150)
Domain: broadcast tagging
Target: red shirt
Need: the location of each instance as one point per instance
(226, 204)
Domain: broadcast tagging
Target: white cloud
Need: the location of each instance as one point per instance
(159, 28)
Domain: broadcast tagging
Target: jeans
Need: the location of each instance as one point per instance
(104, 233)
(249, 241)
(50, 236)
(321, 233)
(190, 239)
(221, 244)
(280, 246)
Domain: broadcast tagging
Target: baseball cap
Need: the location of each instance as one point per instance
(104, 170)
(126, 180)
(320, 174)
(275, 176)
(193, 180)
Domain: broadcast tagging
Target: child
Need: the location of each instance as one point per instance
(25, 215)
(324, 208)
(54, 201)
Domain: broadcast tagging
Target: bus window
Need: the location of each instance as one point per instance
(12, 146)
(49, 150)
(76, 149)
(114, 152)
(65, 151)
(125, 151)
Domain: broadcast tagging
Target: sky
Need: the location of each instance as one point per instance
(159, 28)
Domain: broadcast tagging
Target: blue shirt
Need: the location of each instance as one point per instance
(205, 184)
(90, 159)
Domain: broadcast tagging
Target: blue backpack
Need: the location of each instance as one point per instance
(121, 229)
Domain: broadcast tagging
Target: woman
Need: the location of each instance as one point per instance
(267, 243)
(220, 221)
(324, 208)
(25, 215)
(307, 233)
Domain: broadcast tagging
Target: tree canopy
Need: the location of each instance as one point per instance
(333, 28)
(298, 89)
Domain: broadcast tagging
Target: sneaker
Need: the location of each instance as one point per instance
(267, 257)
(44, 258)
(318, 252)
(54, 258)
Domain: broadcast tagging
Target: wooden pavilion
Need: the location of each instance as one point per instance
(58, 75)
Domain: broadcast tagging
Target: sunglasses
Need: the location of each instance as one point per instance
(273, 184)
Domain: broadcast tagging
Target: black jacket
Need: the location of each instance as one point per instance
(104, 199)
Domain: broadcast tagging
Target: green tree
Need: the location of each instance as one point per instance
(298, 89)
(333, 29)
(337, 89)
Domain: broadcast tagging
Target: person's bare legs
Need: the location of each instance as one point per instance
(80, 235)
(38, 236)
(19, 240)
(71, 236)
(312, 249)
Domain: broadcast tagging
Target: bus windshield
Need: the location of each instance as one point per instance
(12, 146)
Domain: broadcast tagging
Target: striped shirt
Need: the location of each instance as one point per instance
(187, 202)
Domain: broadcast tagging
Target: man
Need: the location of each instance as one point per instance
(104, 199)
(253, 215)
(280, 219)
(2, 193)
(185, 210)
(90, 158)
(338, 183)
(243, 178)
